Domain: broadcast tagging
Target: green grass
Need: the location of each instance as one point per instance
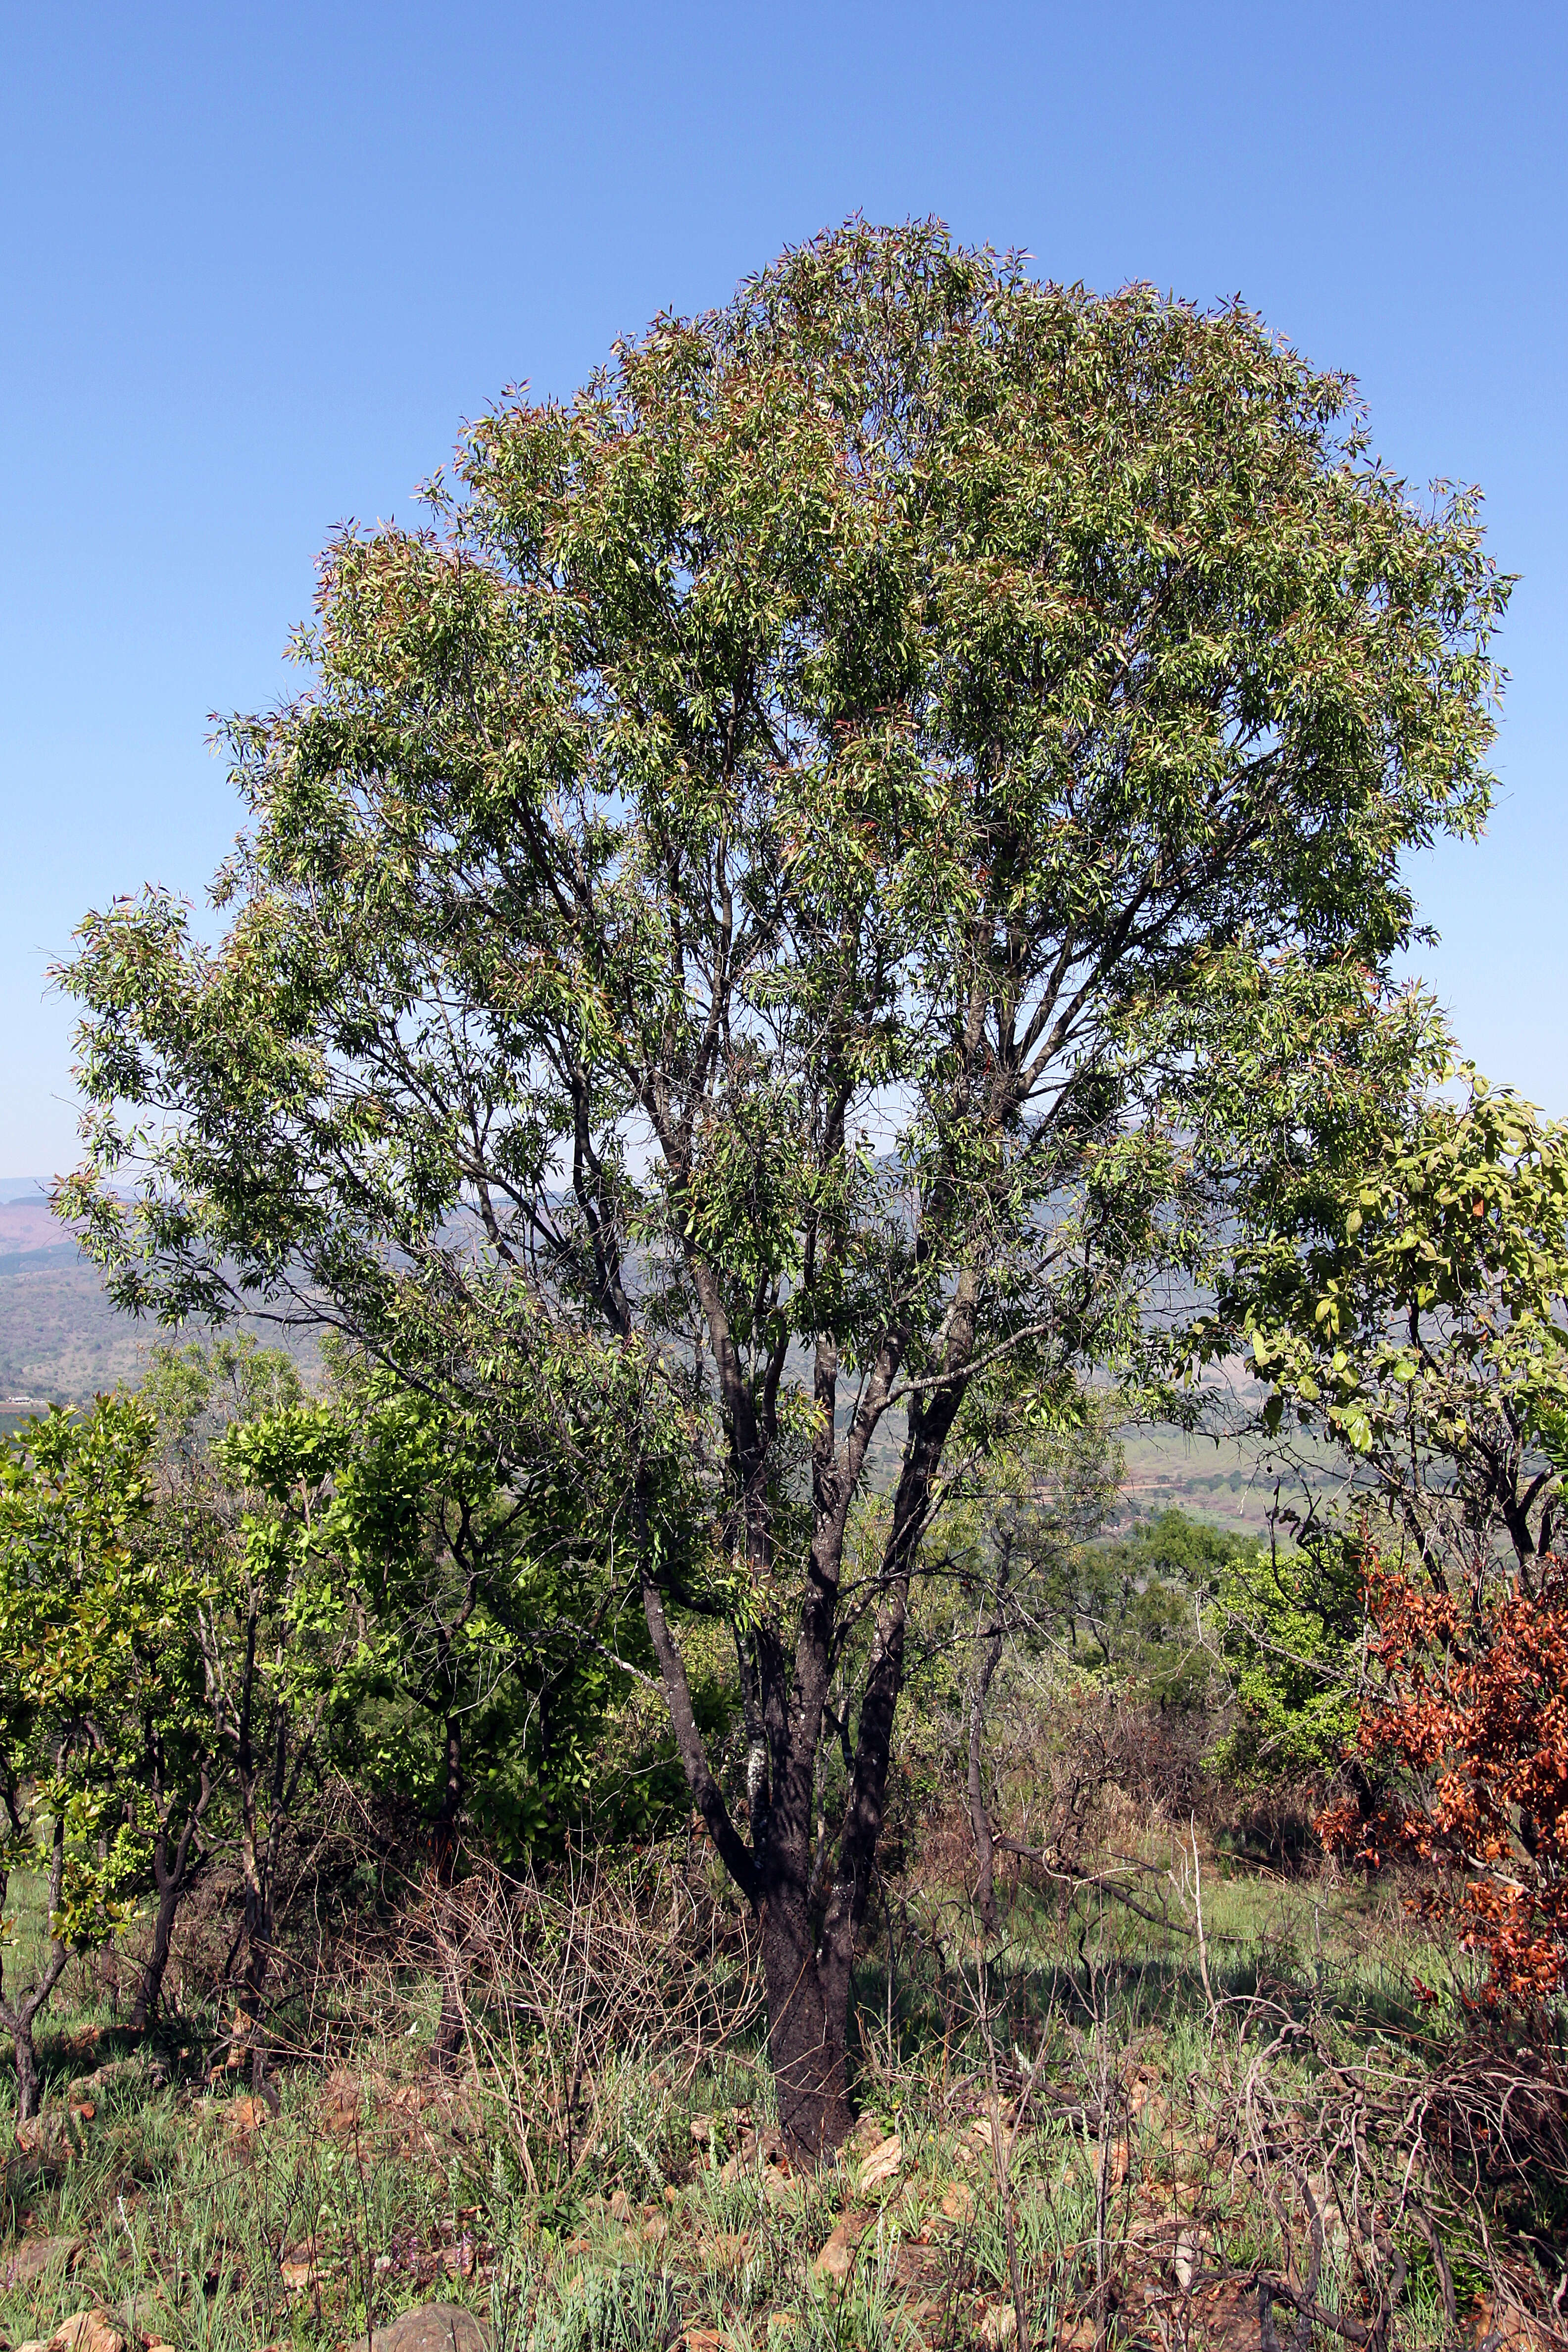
(381, 2187)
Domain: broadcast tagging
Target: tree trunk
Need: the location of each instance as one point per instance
(18, 2015)
(806, 2039)
(979, 1814)
(171, 1876)
(21, 2023)
(809, 1979)
(17, 2019)
(448, 2045)
(258, 1858)
(150, 1986)
(444, 1837)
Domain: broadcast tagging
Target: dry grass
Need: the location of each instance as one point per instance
(1109, 2130)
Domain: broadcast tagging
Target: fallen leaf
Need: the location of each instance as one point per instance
(957, 2202)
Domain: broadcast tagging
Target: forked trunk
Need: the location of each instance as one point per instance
(27, 2067)
(20, 2014)
(172, 1871)
(150, 1984)
(17, 2019)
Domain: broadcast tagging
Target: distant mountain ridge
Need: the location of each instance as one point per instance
(60, 1338)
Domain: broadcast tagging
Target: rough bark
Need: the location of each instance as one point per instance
(806, 2041)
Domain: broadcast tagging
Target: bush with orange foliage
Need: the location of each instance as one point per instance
(1466, 1738)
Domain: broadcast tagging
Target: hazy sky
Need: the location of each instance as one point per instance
(260, 263)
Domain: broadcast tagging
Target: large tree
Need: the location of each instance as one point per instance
(710, 972)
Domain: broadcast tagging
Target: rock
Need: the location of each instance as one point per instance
(620, 2205)
(762, 2152)
(916, 2270)
(866, 2135)
(46, 2134)
(1225, 2318)
(88, 2331)
(882, 2165)
(433, 2327)
(1184, 2261)
(1077, 2334)
(957, 2203)
(998, 2327)
(836, 2258)
(33, 2258)
(300, 2268)
(702, 2130)
(1511, 2329)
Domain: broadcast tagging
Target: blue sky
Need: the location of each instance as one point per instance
(259, 264)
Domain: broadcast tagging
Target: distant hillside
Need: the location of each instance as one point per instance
(60, 1339)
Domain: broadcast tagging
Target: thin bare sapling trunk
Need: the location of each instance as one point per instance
(988, 1642)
